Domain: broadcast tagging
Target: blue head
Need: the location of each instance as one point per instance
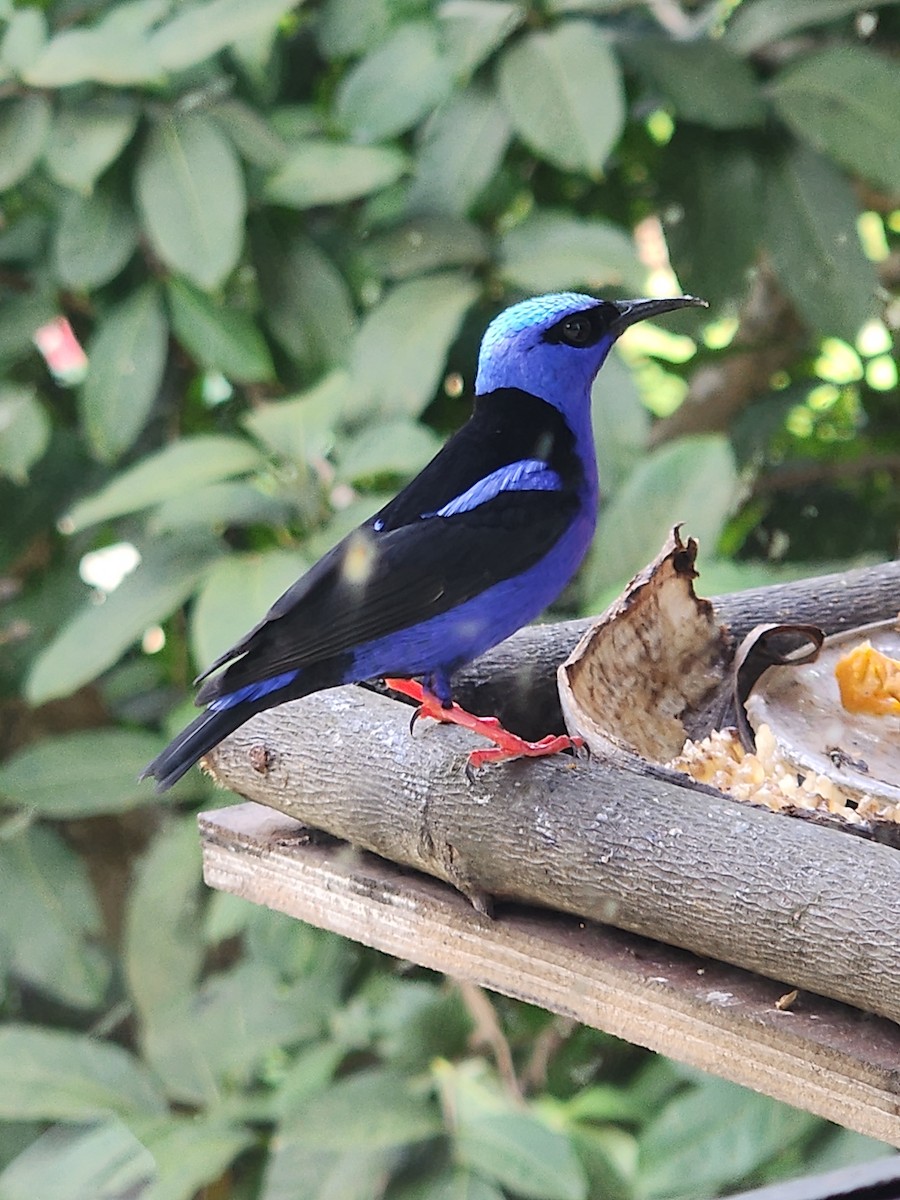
(553, 346)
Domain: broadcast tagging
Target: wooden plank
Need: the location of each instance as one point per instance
(819, 1055)
(617, 840)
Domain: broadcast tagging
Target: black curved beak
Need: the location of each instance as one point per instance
(632, 311)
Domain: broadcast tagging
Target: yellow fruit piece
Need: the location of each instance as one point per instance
(869, 681)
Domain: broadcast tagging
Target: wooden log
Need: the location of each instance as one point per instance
(517, 680)
(814, 1054)
(616, 842)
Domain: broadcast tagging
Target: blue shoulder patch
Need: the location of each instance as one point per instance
(526, 475)
(253, 691)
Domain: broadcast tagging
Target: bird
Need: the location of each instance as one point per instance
(477, 545)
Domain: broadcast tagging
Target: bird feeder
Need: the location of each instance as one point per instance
(762, 946)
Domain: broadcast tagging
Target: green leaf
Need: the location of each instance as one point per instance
(95, 237)
(23, 40)
(693, 480)
(551, 251)
(398, 447)
(294, 1168)
(452, 1183)
(115, 51)
(103, 1161)
(303, 954)
(621, 424)
(609, 1157)
(237, 593)
(395, 85)
(563, 94)
(425, 244)
(311, 1071)
(401, 349)
(99, 634)
(605, 1102)
(843, 1148)
(703, 80)
(22, 239)
(189, 1153)
(302, 427)
(24, 431)
(522, 1154)
(186, 464)
(502, 1141)
(16, 1136)
(162, 950)
(758, 23)
(845, 102)
(190, 192)
(251, 132)
(471, 30)
(810, 214)
(409, 1023)
(52, 1075)
(23, 128)
(370, 1110)
(127, 357)
(350, 27)
(22, 315)
(84, 141)
(306, 301)
(709, 1138)
(198, 32)
(80, 774)
(50, 920)
(254, 56)
(459, 154)
(224, 1031)
(713, 187)
(218, 505)
(218, 338)
(318, 172)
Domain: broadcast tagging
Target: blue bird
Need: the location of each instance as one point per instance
(476, 546)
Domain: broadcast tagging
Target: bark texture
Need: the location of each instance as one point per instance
(604, 840)
(617, 840)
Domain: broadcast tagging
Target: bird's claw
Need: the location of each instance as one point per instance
(506, 745)
(512, 747)
(580, 749)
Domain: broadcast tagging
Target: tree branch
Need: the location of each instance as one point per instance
(603, 840)
(616, 840)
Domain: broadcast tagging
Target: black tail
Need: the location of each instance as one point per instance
(192, 743)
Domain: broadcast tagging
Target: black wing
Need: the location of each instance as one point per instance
(404, 566)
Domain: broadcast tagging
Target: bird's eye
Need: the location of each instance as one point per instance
(578, 331)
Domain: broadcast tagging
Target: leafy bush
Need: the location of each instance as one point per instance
(279, 232)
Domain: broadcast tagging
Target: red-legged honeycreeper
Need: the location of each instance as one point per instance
(475, 547)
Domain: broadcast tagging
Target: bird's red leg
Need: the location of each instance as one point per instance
(506, 745)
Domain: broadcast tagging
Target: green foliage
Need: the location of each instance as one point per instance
(696, 477)
(279, 230)
(563, 94)
(127, 357)
(80, 774)
(55, 1076)
(51, 920)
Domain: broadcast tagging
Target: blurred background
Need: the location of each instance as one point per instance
(247, 252)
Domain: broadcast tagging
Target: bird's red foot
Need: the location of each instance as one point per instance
(506, 745)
